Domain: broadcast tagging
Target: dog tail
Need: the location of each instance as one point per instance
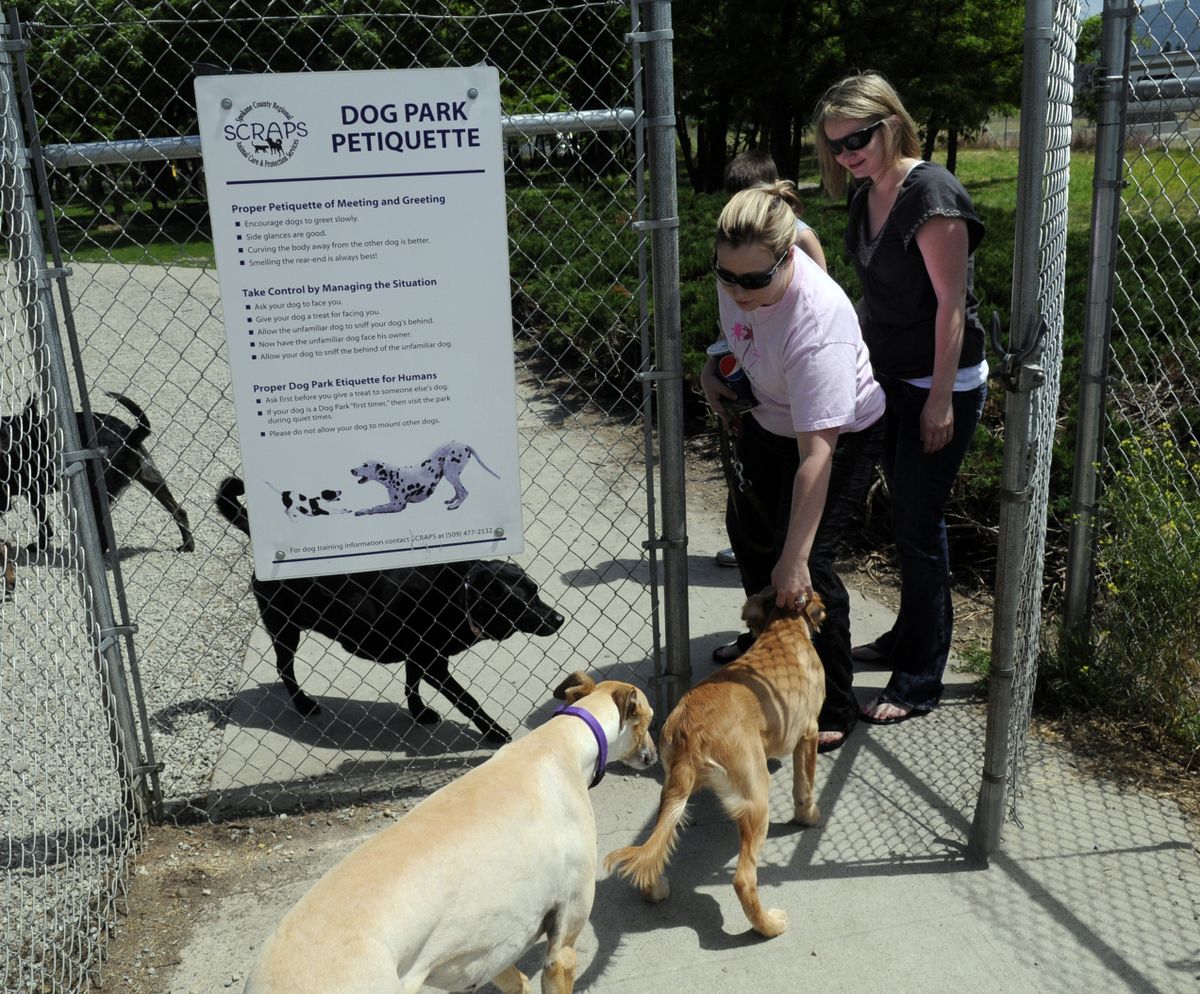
(231, 508)
(644, 864)
(142, 431)
(481, 462)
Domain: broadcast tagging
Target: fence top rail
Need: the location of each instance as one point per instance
(1159, 89)
(515, 127)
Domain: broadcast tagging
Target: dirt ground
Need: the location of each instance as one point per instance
(182, 871)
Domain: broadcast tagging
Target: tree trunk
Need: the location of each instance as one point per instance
(712, 152)
(952, 146)
(931, 133)
(685, 145)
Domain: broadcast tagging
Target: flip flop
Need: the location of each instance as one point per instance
(870, 719)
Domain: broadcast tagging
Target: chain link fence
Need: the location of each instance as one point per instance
(1132, 596)
(112, 90)
(1031, 373)
(113, 95)
(67, 816)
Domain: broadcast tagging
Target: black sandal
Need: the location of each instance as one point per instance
(727, 653)
(869, 653)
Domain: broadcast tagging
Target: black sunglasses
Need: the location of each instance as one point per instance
(748, 281)
(854, 141)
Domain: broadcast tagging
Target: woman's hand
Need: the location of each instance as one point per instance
(937, 423)
(715, 389)
(793, 585)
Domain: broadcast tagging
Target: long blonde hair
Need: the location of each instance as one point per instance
(869, 97)
(764, 214)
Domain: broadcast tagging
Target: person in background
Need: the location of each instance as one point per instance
(747, 169)
(911, 233)
(809, 446)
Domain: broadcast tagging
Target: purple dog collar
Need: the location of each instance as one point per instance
(589, 719)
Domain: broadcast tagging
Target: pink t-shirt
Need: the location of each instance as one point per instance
(804, 355)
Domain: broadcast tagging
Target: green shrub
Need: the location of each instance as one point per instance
(1144, 665)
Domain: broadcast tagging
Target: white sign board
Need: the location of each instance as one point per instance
(359, 226)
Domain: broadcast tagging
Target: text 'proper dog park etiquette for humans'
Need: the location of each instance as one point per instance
(359, 226)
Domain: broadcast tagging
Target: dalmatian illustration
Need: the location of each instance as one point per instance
(412, 484)
(298, 505)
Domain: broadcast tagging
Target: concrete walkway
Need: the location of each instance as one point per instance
(1096, 889)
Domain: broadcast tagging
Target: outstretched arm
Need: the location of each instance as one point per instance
(790, 575)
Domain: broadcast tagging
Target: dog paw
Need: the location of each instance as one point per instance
(660, 890)
(808, 816)
(424, 715)
(188, 546)
(775, 922)
(496, 736)
(306, 706)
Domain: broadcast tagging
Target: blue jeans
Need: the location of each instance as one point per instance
(757, 531)
(920, 484)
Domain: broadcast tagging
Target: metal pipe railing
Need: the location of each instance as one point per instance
(1014, 478)
(1112, 85)
(514, 127)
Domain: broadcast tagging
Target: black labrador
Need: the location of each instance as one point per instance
(26, 471)
(420, 616)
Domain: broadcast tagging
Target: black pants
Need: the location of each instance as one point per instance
(769, 463)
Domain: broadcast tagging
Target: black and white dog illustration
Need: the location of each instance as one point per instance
(419, 616)
(309, 507)
(26, 472)
(412, 484)
(298, 505)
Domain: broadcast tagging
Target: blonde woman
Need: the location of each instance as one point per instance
(808, 448)
(910, 233)
(753, 167)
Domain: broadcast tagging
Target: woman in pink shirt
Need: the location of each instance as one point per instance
(808, 449)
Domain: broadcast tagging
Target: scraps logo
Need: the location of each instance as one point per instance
(266, 133)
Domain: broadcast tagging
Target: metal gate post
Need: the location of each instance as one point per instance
(1014, 478)
(28, 254)
(664, 239)
(1112, 96)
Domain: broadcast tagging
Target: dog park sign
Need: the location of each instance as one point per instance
(360, 232)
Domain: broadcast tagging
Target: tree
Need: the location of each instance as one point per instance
(975, 50)
(753, 71)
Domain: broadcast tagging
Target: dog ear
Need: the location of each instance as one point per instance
(757, 609)
(626, 700)
(577, 685)
(814, 613)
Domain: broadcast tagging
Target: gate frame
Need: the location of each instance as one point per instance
(138, 778)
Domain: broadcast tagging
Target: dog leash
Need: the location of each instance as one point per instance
(734, 477)
(589, 719)
(476, 631)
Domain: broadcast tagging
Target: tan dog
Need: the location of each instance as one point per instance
(456, 891)
(720, 735)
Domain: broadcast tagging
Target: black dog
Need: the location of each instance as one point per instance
(419, 616)
(26, 472)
